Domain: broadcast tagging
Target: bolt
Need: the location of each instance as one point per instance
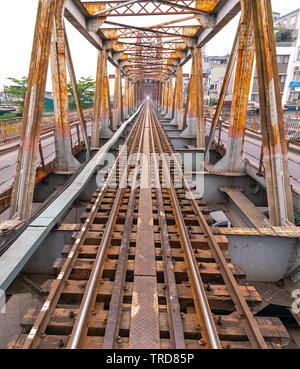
(61, 343)
(201, 342)
(105, 320)
(219, 321)
(94, 311)
(72, 314)
(208, 288)
(182, 315)
(164, 286)
(188, 284)
(125, 287)
(101, 281)
(198, 327)
(201, 266)
(43, 335)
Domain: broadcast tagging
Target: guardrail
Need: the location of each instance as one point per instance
(291, 124)
(10, 129)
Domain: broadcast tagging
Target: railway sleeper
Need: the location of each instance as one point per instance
(228, 327)
(218, 295)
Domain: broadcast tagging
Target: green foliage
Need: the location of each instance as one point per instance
(211, 101)
(285, 35)
(17, 91)
(86, 87)
(8, 116)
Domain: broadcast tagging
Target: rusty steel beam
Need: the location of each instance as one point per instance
(77, 96)
(96, 122)
(170, 98)
(233, 162)
(117, 100)
(178, 108)
(126, 98)
(64, 159)
(227, 77)
(22, 196)
(274, 143)
(195, 120)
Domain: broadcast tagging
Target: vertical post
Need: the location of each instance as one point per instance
(186, 106)
(227, 77)
(64, 159)
(275, 150)
(96, 123)
(77, 96)
(130, 97)
(117, 100)
(178, 111)
(233, 161)
(105, 115)
(200, 122)
(126, 98)
(165, 99)
(195, 120)
(170, 98)
(23, 188)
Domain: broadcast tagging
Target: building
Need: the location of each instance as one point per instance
(287, 29)
(214, 68)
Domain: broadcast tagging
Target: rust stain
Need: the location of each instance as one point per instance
(94, 8)
(190, 31)
(206, 5)
(109, 32)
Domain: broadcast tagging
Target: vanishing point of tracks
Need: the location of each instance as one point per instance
(146, 270)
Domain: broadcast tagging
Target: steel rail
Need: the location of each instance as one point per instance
(244, 314)
(114, 313)
(80, 328)
(38, 330)
(176, 331)
(209, 332)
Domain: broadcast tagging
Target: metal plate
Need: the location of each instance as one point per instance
(144, 327)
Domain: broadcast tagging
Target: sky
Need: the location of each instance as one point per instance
(17, 21)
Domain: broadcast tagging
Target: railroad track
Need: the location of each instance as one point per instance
(146, 270)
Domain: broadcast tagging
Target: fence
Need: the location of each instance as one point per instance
(10, 130)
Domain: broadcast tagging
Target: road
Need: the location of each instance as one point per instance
(8, 161)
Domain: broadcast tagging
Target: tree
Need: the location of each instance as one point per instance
(211, 101)
(17, 91)
(86, 87)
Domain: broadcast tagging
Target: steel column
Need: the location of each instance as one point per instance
(178, 111)
(227, 77)
(96, 123)
(23, 188)
(195, 120)
(64, 159)
(126, 98)
(233, 162)
(77, 97)
(117, 100)
(130, 97)
(170, 98)
(274, 143)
